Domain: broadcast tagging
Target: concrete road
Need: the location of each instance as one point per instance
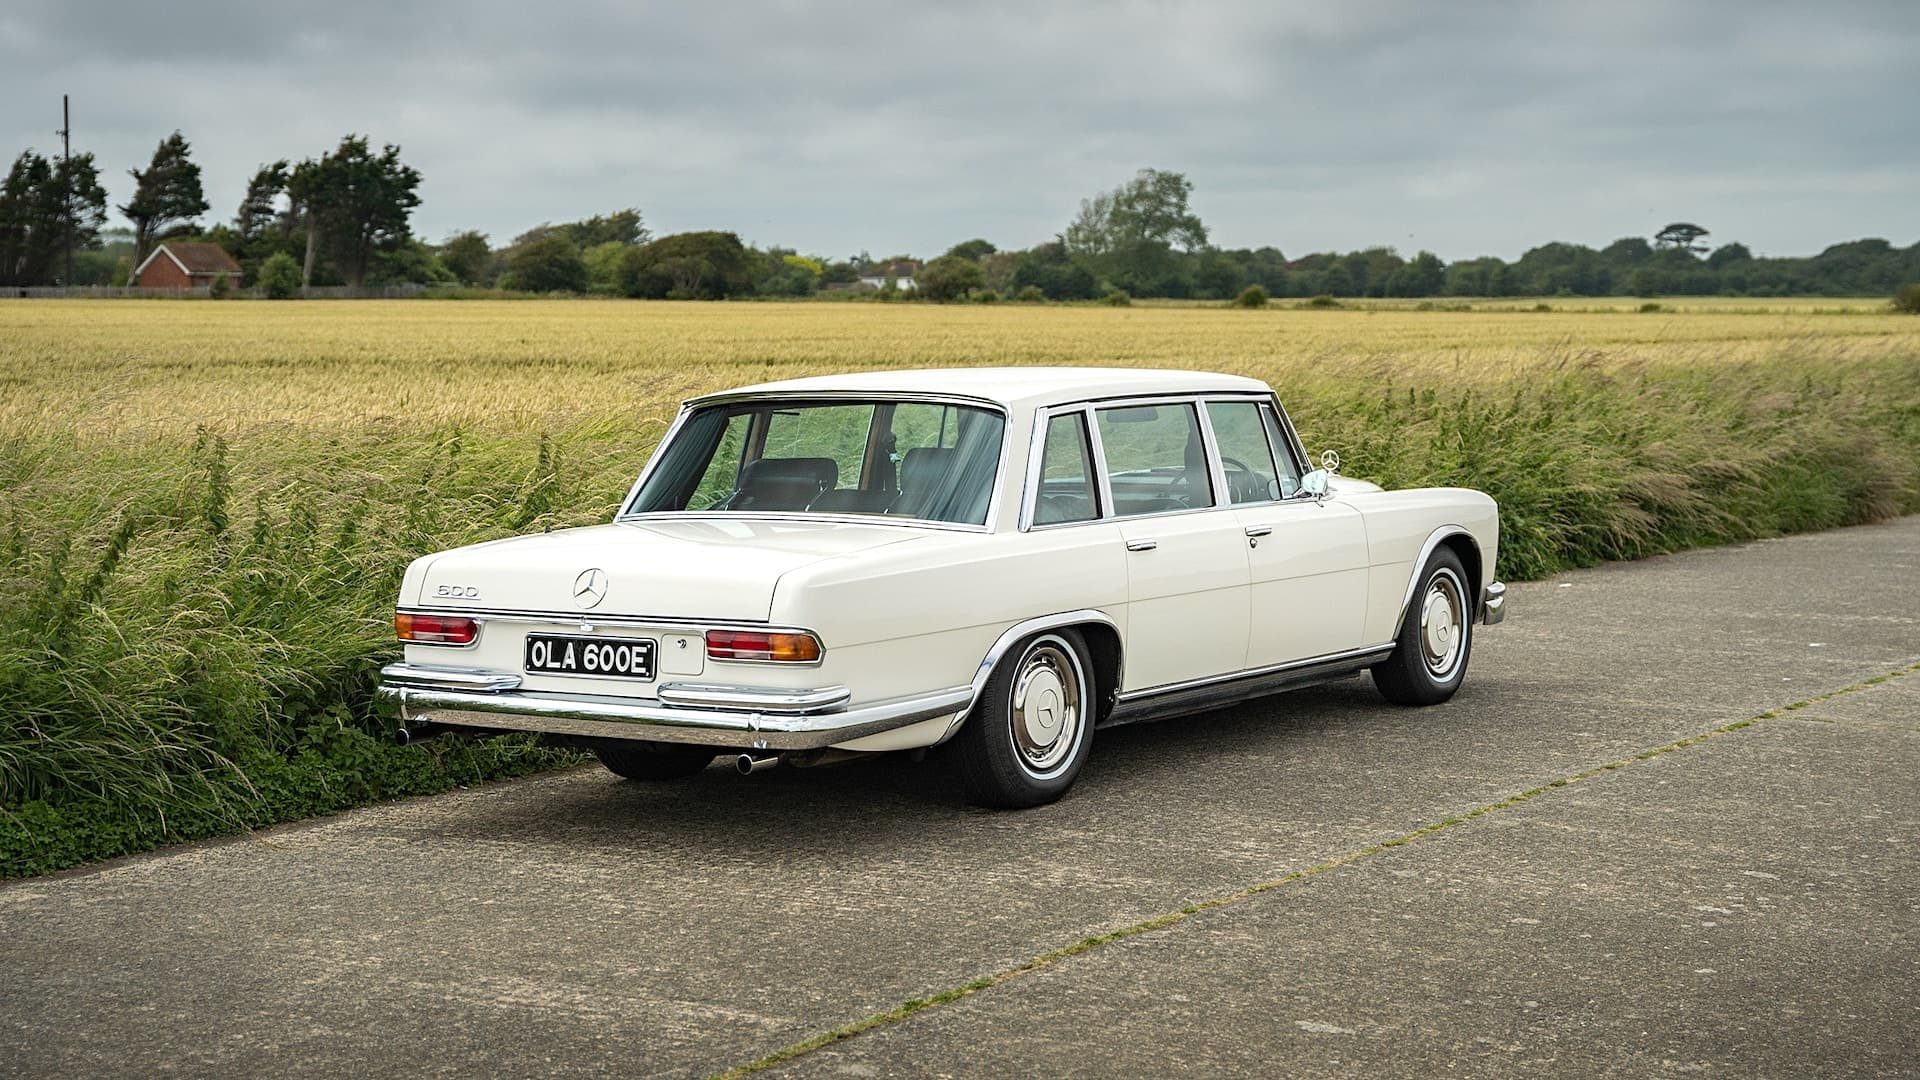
(1594, 860)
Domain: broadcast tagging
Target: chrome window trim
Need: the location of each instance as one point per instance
(995, 498)
(1286, 429)
(1030, 503)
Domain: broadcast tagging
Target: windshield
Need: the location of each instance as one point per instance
(929, 461)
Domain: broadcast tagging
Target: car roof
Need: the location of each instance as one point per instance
(1012, 386)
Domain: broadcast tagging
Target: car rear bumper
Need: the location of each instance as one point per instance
(1493, 604)
(429, 698)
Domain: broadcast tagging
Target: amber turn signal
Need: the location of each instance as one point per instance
(435, 629)
(753, 645)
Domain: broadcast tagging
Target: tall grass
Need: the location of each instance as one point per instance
(191, 615)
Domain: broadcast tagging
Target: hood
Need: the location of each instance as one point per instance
(683, 570)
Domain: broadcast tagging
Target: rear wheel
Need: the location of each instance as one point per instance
(1435, 638)
(654, 761)
(1033, 725)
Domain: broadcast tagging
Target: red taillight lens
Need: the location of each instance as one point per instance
(752, 645)
(435, 629)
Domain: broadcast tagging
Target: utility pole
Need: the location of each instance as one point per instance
(66, 182)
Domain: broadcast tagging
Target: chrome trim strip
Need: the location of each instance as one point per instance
(444, 678)
(1361, 654)
(594, 618)
(1099, 448)
(586, 716)
(753, 698)
(1493, 603)
(1210, 443)
(1420, 561)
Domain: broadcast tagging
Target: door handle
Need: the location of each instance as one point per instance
(1259, 530)
(1145, 543)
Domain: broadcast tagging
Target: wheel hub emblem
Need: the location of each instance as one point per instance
(590, 587)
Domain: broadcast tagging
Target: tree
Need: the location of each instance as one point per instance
(1426, 275)
(948, 278)
(465, 255)
(1682, 235)
(46, 206)
(280, 276)
(619, 227)
(602, 261)
(550, 264)
(167, 196)
(974, 250)
(1727, 254)
(1054, 272)
(688, 266)
(1133, 234)
(356, 203)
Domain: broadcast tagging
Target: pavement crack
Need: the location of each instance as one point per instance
(911, 1007)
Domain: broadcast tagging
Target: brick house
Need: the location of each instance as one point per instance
(178, 264)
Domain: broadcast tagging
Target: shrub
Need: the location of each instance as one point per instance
(1650, 307)
(280, 276)
(1543, 306)
(1117, 298)
(1907, 300)
(986, 296)
(1324, 300)
(221, 288)
(549, 264)
(1253, 296)
(949, 278)
(1030, 294)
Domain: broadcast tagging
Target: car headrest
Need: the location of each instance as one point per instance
(923, 466)
(818, 470)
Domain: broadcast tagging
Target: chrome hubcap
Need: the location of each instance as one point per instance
(1046, 711)
(1442, 625)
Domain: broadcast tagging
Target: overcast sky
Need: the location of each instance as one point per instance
(1465, 128)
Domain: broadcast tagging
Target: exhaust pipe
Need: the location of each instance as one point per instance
(747, 764)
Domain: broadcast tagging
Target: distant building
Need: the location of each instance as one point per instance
(177, 264)
(900, 273)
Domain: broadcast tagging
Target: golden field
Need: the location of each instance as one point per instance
(519, 365)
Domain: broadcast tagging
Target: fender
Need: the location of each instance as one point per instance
(1420, 562)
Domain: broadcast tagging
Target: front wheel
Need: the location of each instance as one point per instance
(1033, 726)
(1430, 659)
(654, 761)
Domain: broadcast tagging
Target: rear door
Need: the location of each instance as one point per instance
(1307, 559)
(1187, 570)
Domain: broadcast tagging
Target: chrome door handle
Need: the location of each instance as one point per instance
(1142, 544)
(1259, 530)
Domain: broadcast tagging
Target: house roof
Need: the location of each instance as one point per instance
(1028, 386)
(193, 258)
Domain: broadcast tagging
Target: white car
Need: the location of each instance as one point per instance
(1003, 559)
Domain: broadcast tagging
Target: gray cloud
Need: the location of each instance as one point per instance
(1465, 128)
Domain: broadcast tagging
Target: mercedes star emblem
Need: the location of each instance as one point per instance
(590, 587)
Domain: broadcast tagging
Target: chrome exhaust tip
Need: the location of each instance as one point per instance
(747, 764)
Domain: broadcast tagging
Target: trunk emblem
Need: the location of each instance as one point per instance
(590, 587)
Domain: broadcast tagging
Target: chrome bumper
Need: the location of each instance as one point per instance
(728, 716)
(1493, 604)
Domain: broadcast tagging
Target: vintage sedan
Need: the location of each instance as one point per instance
(1002, 560)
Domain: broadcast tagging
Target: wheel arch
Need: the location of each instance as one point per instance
(1097, 628)
(1461, 542)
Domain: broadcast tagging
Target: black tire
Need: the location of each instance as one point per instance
(1002, 759)
(653, 760)
(1426, 669)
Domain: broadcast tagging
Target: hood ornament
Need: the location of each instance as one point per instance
(590, 587)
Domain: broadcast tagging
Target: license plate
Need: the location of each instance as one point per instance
(607, 658)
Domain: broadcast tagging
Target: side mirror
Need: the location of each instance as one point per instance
(1315, 483)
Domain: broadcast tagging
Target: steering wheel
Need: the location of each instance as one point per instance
(1243, 487)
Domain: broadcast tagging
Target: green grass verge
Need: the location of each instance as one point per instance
(189, 629)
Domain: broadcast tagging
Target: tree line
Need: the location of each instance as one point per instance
(344, 218)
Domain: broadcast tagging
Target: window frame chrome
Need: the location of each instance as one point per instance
(990, 523)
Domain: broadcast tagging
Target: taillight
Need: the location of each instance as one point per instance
(435, 629)
(753, 645)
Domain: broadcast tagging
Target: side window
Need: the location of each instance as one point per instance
(723, 469)
(1066, 474)
(1155, 460)
(1246, 451)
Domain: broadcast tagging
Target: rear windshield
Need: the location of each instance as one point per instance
(929, 461)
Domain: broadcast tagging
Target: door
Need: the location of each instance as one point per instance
(1187, 605)
(1307, 560)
